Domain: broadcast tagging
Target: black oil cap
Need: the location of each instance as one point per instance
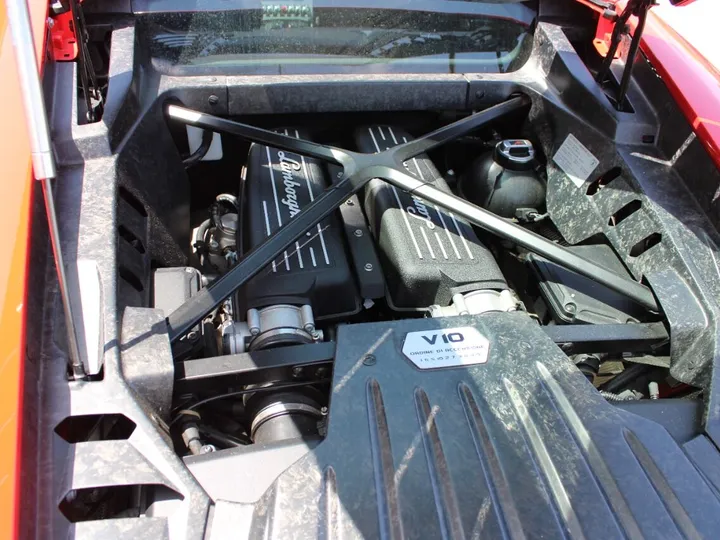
(515, 154)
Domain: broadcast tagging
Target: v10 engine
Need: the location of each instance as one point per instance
(429, 255)
(314, 270)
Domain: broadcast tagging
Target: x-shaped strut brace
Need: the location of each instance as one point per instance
(358, 170)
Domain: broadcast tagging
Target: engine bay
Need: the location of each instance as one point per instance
(385, 255)
(377, 298)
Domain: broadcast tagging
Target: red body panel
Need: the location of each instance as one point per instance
(15, 194)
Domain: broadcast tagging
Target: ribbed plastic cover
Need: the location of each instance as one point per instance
(520, 446)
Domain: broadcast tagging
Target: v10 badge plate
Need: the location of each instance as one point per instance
(449, 347)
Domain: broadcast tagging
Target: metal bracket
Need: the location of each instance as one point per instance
(358, 170)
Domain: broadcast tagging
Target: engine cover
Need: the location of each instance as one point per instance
(315, 269)
(515, 444)
(428, 254)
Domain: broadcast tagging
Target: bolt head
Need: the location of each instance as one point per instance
(368, 267)
(369, 360)
(207, 448)
(358, 233)
(213, 99)
(297, 371)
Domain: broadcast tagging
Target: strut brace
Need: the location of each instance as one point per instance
(358, 170)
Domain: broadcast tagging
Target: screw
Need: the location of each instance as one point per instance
(570, 308)
(324, 411)
(349, 202)
(368, 267)
(192, 335)
(213, 99)
(358, 233)
(254, 331)
(339, 175)
(207, 448)
(190, 270)
(479, 94)
(297, 371)
(369, 360)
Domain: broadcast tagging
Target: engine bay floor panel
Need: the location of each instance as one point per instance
(518, 446)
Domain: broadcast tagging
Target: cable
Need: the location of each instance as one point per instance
(246, 391)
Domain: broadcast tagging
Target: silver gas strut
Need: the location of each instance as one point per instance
(42, 157)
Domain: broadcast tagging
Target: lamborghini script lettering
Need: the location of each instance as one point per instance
(420, 211)
(287, 166)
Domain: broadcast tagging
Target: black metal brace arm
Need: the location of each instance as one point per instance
(359, 169)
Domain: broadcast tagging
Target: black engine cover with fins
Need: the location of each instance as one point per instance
(314, 270)
(428, 254)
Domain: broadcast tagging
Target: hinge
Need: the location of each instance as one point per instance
(63, 41)
(69, 38)
(604, 31)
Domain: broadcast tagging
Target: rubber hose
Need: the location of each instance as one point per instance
(201, 151)
(622, 380)
(202, 231)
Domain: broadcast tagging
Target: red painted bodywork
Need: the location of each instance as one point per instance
(16, 188)
(693, 82)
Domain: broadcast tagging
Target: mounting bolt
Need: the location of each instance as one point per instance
(321, 372)
(610, 14)
(192, 335)
(368, 267)
(323, 411)
(358, 233)
(213, 99)
(369, 360)
(349, 202)
(207, 449)
(570, 308)
(297, 371)
(479, 94)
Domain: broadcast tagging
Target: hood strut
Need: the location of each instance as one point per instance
(42, 157)
(640, 9)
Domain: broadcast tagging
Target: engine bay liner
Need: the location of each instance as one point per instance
(573, 396)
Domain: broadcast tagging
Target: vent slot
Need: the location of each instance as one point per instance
(129, 198)
(625, 212)
(603, 180)
(131, 279)
(95, 427)
(646, 243)
(131, 239)
(91, 504)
